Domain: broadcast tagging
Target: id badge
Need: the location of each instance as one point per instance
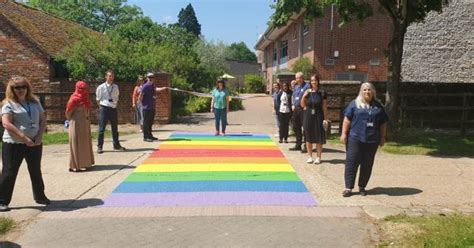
(297, 98)
(313, 112)
(370, 124)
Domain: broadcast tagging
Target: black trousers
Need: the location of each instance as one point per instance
(148, 120)
(107, 114)
(283, 128)
(362, 154)
(297, 120)
(12, 157)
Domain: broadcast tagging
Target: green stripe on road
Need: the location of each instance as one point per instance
(211, 176)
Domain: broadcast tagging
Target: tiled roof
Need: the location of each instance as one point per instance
(49, 33)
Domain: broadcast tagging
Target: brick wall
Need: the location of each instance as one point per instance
(163, 101)
(124, 107)
(357, 44)
(20, 57)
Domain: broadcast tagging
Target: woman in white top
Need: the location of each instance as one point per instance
(283, 105)
(24, 122)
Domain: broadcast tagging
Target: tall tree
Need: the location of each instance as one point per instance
(101, 16)
(240, 51)
(187, 19)
(401, 12)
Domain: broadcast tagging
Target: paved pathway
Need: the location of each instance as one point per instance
(413, 184)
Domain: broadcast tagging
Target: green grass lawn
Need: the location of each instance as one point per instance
(5, 225)
(63, 137)
(422, 142)
(428, 231)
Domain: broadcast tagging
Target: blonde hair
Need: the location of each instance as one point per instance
(10, 93)
(360, 101)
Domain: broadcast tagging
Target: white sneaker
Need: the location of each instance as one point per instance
(310, 160)
(317, 160)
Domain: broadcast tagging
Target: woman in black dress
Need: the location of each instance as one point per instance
(315, 109)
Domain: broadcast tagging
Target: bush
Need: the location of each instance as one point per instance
(198, 104)
(303, 65)
(254, 84)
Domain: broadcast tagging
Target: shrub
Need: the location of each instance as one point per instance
(254, 83)
(303, 65)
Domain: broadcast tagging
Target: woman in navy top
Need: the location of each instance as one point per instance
(283, 109)
(363, 130)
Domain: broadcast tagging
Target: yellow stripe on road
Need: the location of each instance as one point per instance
(212, 167)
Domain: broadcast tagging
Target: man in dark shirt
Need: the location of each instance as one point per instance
(148, 99)
(297, 117)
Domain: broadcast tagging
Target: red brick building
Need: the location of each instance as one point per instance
(354, 52)
(29, 41)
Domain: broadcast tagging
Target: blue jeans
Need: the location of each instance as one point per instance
(220, 116)
(358, 153)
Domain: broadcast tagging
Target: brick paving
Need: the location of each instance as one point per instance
(76, 218)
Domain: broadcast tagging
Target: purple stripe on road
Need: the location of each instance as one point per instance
(209, 198)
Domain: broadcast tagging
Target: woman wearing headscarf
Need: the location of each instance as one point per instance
(363, 130)
(80, 142)
(25, 122)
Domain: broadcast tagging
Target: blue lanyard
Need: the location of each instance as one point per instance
(28, 110)
(110, 91)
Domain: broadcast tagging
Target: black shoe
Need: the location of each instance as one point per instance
(304, 150)
(147, 140)
(362, 192)
(119, 148)
(286, 141)
(280, 141)
(295, 148)
(4, 208)
(44, 201)
(154, 138)
(346, 193)
(99, 150)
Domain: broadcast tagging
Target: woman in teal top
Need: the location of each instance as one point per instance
(220, 105)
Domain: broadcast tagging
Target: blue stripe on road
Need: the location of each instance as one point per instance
(211, 186)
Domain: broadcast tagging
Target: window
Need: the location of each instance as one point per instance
(305, 29)
(374, 62)
(352, 76)
(284, 49)
(295, 34)
(274, 56)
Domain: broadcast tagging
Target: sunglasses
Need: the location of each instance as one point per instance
(22, 87)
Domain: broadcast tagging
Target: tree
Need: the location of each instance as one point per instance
(240, 51)
(100, 16)
(401, 12)
(303, 65)
(187, 19)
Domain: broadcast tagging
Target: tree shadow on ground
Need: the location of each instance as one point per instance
(8, 244)
(66, 205)
(394, 191)
(193, 119)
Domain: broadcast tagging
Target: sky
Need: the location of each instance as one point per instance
(229, 21)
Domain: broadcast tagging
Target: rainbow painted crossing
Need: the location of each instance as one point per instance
(197, 169)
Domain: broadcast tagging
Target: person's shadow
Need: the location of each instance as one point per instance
(394, 191)
(8, 244)
(66, 205)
